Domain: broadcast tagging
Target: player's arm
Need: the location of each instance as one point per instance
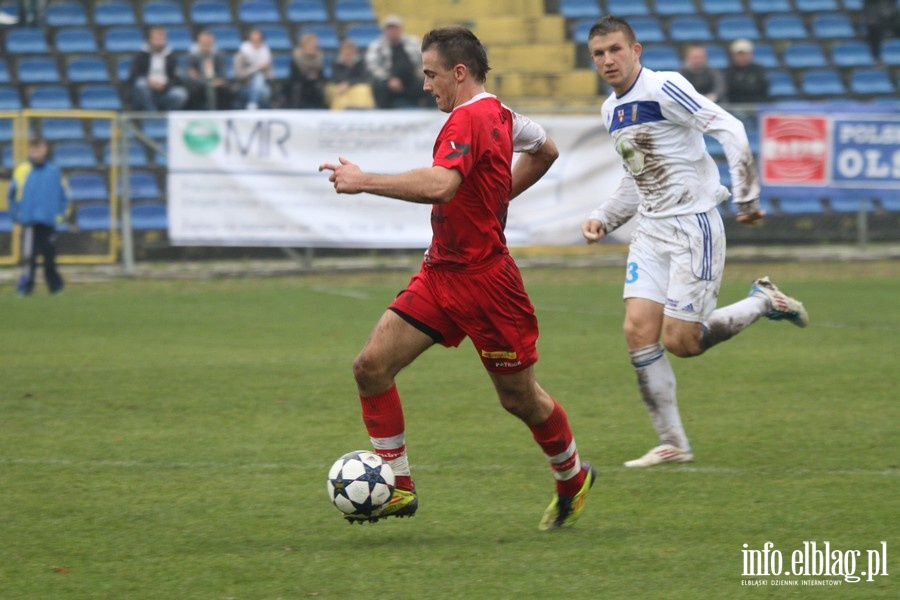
(614, 212)
(531, 166)
(428, 185)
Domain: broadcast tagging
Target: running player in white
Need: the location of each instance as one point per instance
(677, 252)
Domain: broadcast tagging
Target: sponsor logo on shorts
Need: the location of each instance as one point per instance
(670, 303)
(689, 308)
(499, 354)
(507, 364)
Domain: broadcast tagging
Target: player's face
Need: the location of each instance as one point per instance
(440, 82)
(617, 61)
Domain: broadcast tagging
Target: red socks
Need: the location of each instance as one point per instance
(556, 440)
(383, 416)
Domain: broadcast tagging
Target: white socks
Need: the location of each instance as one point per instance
(656, 381)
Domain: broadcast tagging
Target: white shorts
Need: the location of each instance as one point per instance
(678, 262)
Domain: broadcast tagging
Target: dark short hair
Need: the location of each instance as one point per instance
(458, 45)
(36, 140)
(610, 24)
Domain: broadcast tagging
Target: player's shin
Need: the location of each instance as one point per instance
(558, 444)
(383, 416)
(726, 322)
(656, 381)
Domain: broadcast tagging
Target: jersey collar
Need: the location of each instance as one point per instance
(634, 83)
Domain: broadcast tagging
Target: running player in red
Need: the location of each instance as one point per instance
(468, 284)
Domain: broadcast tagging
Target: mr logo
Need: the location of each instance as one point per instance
(458, 150)
(260, 141)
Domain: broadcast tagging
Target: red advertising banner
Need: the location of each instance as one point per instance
(795, 149)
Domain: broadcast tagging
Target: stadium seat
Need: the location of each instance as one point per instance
(256, 12)
(668, 8)
(157, 129)
(87, 187)
(66, 14)
(101, 129)
(281, 66)
(211, 12)
(74, 155)
(721, 7)
(75, 40)
(180, 38)
(627, 8)
(6, 130)
(9, 99)
(363, 35)
(354, 10)
(111, 14)
(6, 222)
(99, 97)
(123, 67)
(832, 26)
(163, 12)
(143, 186)
(26, 40)
(277, 37)
(816, 6)
(149, 215)
(137, 155)
(850, 201)
(93, 217)
(716, 56)
(764, 55)
(781, 85)
(785, 27)
(307, 11)
(714, 147)
(853, 4)
(768, 7)
(328, 37)
(50, 97)
(798, 202)
(228, 39)
(890, 52)
(661, 57)
(852, 54)
(689, 29)
(62, 129)
(870, 82)
(123, 40)
(579, 9)
(733, 27)
(38, 70)
(580, 30)
(804, 55)
(647, 29)
(822, 82)
(4, 72)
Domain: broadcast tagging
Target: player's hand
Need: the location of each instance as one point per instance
(593, 231)
(749, 213)
(346, 176)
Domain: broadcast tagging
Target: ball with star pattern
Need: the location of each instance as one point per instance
(360, 483)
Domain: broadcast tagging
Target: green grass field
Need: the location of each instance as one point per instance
(170, 439)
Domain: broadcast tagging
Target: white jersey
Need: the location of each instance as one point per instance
(658, 126)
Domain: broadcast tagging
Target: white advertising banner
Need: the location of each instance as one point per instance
(250, 178)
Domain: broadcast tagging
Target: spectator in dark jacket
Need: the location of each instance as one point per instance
(745, 81)
(154, 81)
(881, 19)
(705, 79)
(307, 77)
(206, 75)
(350, 83)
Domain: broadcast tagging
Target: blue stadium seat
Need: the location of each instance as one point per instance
(768, 7)
(853, 4)
(627, 8)
(87, 187)
(157, 129)
(180, 38)
(307, 11)
(785, 27)
(93, 217)
(123, 67)
(822, 82)
(228, 39)
(781, 85)
(111, 14)
(49, 97)
(38, 70)
(143, 186)
(123, 40)
(668, 8)
(26, 40)
(163, 12)
(281, 66)
(74, 155)
(101, 129)
(99, 97)
(256, 12)
(739, 26)
(850, 201)
(363, 35)
(764, 55)
(890, 52)
(149, 215)
(724, 173)
(716, 56)
(871, 82)
(804, 55)
(211, 12)
(6, 222)
(579, 9)
(852, 54)
(721, 7)
(832, 26)
(661, 57)
(816, 6)
(4, 72)
(277, 37)
(889, 201)
(327, 34)
(66, 14)
(799, 202)
(690, 29)
(714, 147)
(137, 155)
(75, 40)
(647, 29)
(62, 129)
(354, 10)
(6, 130)
(580, 30)
(9, 99)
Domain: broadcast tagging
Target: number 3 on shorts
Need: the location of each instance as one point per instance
(631, 274)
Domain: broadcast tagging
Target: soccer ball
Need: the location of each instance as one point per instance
(360, 483)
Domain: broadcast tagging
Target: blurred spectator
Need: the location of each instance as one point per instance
(31, 12)
(206, 75)
(155, 84)
(253, 71)
(307, 79)
(881, 19)
(394, 60)
(745, 81)
(705, 79)
(38, 200)
(348, 86)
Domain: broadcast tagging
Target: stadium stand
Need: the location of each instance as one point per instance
(111, 13)
(87, 70)
(211, 12)
(66, 14)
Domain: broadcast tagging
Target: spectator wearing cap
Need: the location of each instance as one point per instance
(745, 81)
(394, 60)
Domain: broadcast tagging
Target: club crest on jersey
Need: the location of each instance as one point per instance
(620, 114)
(458, 150)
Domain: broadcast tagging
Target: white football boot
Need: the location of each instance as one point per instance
(782, 306)
(658, 455)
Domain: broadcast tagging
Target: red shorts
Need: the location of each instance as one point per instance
(489, 306)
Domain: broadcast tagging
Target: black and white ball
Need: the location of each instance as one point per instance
(360, 483)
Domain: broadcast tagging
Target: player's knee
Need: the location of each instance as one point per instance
(367, 372)
(682, 346)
